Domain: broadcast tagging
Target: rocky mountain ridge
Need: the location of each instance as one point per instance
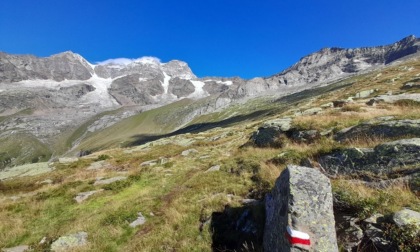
(61, 92)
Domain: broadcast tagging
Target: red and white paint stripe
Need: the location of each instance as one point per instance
(297, 237)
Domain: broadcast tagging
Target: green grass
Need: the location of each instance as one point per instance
(22, 148)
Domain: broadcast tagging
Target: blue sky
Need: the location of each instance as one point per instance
(215, 37)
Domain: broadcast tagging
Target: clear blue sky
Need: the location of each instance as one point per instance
(215, 37)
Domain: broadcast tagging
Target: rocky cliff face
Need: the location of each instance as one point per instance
(331, 63)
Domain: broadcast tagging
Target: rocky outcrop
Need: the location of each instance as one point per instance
(69, 242)
(180, 87)
(268, 134)
(386, 127)
(299, 212)
(384, 159)
(80, 197)
(332, 63)
(59, 67)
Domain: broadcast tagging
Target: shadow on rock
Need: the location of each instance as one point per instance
(238, 228)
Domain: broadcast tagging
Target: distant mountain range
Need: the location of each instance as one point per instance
(46, 98)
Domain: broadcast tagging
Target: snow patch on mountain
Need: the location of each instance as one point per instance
(100, 94)
(199, 91)
(165, 82)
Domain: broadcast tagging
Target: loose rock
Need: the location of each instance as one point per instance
(109, 181)
(139, 221)
(69, 242)
(85, 195)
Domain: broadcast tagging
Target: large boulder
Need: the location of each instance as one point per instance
(381, 127)
(268, 134)
(384, 159)
(299, 212)
(407, 217)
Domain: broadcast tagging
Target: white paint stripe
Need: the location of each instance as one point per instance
(297, 234)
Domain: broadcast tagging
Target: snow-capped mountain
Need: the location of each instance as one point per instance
(44, 97)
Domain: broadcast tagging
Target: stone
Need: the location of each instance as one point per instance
(213, 168)
(282, 124)
(301, 200)
(163, 160)
(85, 195)
(327, 105)
(340, 103)
(67, 160)
(46, 182)
(376, 236)
(305, 136)
(374, 219)
(394, 98)
(364, 93)
(189, 152)
(21, 248)
(139, 221)
(312, 111)
(407, 217)
(149, 163)
(384, 159)
(380, 127)
(268, 134)
(99, 165)
(69, 242)
(109, 181)
(352, 237)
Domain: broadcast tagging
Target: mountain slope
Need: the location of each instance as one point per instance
(65, 92)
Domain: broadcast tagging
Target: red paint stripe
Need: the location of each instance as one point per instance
(295, 240)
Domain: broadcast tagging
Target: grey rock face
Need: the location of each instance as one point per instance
(329, 63)
(130, 90)
(383, 159)
(69, 242)
(302, 200)
(67, 65)
(180, 87)
(176, 68)
(381, 127)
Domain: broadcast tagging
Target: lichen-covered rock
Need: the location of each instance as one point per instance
(268, 134)
(407, 217)
(384, 159)
(69, 242)
(300, 201)
(381, 127)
